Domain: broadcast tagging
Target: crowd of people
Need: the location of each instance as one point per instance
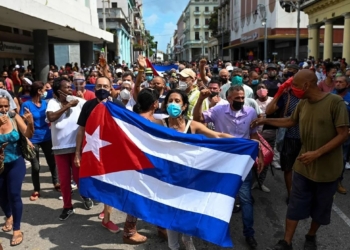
(301, 109)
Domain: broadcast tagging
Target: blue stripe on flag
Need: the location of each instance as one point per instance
(157, 213)
(191, 178)
(234, 146)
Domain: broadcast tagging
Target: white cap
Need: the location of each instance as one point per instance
(118, 71)
(28, 81)
(229, 68)
(17, 66)
(305, 65)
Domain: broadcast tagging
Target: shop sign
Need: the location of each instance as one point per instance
(253, 37)
(16, 48)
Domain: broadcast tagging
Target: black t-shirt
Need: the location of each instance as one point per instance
(88, 107)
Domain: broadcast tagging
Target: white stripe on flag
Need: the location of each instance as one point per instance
(207, 203)
(188, 155)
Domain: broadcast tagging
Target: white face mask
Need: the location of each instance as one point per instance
(183, 85)
(70, 98)
(125, 94)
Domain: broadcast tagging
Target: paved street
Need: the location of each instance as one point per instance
(83, 230)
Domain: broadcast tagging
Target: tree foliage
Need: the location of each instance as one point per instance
(151, 43)
(213, 22)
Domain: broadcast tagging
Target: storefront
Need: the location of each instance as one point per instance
(15, 53)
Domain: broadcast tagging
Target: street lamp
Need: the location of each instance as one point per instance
(263, 23)
(222, 41)
(156, 51)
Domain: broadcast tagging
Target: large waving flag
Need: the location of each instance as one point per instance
(178, 181)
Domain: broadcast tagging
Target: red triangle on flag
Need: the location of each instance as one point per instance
(118, 152)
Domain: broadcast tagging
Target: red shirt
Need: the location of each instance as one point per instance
(88, 94)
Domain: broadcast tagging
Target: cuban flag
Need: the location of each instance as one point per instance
(187, 183)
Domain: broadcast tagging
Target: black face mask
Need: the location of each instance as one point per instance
(289, 74)
(223, 80)
(245, 76)
(340, 91)
(102, 94)
(237, 105)
(213, 94)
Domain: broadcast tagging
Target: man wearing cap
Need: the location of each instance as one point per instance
(149, 78)
(173, 81)
(273, 82)
(80, 91)
(186, 83)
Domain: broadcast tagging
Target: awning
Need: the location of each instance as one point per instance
(57, 17)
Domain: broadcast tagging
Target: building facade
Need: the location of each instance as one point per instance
(194, 22)
(247, 22)
(42, 25)
(334, 16)
(124, 20)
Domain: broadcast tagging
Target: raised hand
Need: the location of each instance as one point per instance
(27, 116)
(142, 62)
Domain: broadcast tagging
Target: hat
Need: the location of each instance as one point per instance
(305, 65)
(173, 75)
(28, 81)
(148, 71)
(188, 73)
(119, 71)
(292, 66)
(17, 66)
(271, 66)
(229, 68)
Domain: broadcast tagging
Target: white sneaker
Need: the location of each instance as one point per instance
(276, 165)
(347, 165)
(73, 185)
(265, 189)
(28, 164)
(255, 185)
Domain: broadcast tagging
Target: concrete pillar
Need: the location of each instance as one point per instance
(52, 54)
(314, 41)
(41, 54)
(328, 40)
(86, 52)
(346, 37)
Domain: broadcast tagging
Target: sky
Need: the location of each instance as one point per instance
(161, 17)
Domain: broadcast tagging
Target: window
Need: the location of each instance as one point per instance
(5, 29)
(206, 9)
(26, 33)
(196, 36)
(197, 8)
(114, 5)
(207, 21)
(197, 21)
(206, 35)
(206, 50)
(15, 31)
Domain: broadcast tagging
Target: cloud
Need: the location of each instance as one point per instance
(163, 37)
(151, 20)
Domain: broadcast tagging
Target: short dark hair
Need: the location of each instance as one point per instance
(215, 80)
(184, 98)
(127, 73)
(35, 87)
(57, 82)
(234, 88)
(145, 99)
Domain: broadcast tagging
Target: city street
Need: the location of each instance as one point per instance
(43, 230)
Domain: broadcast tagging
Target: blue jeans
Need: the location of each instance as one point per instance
(245, 196)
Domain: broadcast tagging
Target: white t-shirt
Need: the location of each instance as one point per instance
(130, 103)
(64, 130)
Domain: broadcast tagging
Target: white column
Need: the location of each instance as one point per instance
(346, 37)
(328, 40)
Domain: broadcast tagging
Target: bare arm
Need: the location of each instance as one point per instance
(272, 106)
(26, 130)
(17, 105)
(79, 142)
(197, 111)
(11, 83)
(54, 116)
(337, 141)
(202, 73)
(142, 65)
(199, 128)
(277, 122)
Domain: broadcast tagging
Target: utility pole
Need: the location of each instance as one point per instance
(297, 42)
(104, 26)
(222, 42)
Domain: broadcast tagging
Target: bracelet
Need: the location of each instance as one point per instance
(141, 70)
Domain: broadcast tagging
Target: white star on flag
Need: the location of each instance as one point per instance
(94, 143)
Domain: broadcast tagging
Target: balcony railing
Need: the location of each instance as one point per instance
(197, 26)
(197, 13)
(207, 13)
(206, 26)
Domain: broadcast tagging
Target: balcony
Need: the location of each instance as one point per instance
(186, 16)
(196, 27)
(207, 13)
(308, 3)
(206, 26)
(197, 13)
(186, 30)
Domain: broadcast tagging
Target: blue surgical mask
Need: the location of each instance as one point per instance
(136, 73)
(149, 78)
(255, 82)
(174, 110)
